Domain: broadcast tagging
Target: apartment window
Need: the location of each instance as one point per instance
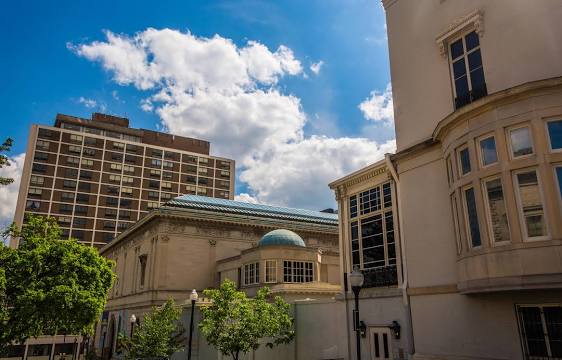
(488, 153)
(84, 198)
(129, 168)
(79, 222)
(80, 209)
(498, 225)
(142, 265)
(40, 156)
(37, 180)
(203, 160)
(64, 220)
(67, 196)
(118, 146)
(131, 148)
(72, 160)
(109, 224)
(168, 164)
(116, 157)
(270, 271)
(531, 209)
(127, 191)
(75, 149)
(85, 174)
(202, 171)
(555, 134)
(520, 141)
(166, 184)
(124, 214)
(166, 196)
(191, 179)
(32, 205)
(156, 153)
(90, 130)
(111, 201)
(167, 175)
(113, 190)
(155, 173)
(128, 180)
(131, 159)
(90, 141)
(115, 135)
(125, 203)
(463, 157)
(65, 208)
(471, 216)
(297, 271)
(190, 158)
(69, 184)
(153, 194)
(117, 167)
(225, 173)
(87, 162)
(540, 327)
(84, 186)
(42, 144)
(114, 178)
(122, 226)
(71, 173)
(75, 138)
(202, 191)
(45, 133)
(155, 162)
(40, 168)
(251, 273)
(35, 192)
(171, 155)
(152, 205)
(154, 184)
(110, 213)
(190, 188)
(467, 70)
(89, 152)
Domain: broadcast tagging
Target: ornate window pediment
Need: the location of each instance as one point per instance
(474, 20)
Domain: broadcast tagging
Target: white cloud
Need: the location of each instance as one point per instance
(210, 88)
(9, 193)
(316, 67)
(245, 197)
(378, 106)
(89, 103)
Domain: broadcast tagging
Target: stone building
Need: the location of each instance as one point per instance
(195, 242)
(477, 91)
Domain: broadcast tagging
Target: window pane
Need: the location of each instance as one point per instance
(353, 206)
(464, 158)
(559, 177)
(521, 141)
(459, 68)
(497, 211)
(472, 41)
(553, 319)
(461, 87)
(478, 84)
(472, 216)
(533, 331)
(474, 60)
(531, 203)
(555, 134)
(488, 151)
(457, 49)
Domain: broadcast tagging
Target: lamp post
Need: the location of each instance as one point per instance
(356, 279)
(133, 320)
(193, 297)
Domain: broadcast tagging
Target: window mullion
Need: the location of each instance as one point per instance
(545, 332)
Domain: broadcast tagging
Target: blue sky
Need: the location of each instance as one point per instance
(45, 71)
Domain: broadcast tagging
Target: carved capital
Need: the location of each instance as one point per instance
(212, 242)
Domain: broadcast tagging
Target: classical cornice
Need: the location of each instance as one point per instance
(494, 100)
(341, 185)
(474, 19)
(388, 3)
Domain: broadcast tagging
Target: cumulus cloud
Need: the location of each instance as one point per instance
(213, 89)
(316, 67)
(89, 103)
(378, 106)
(245, 197)
(9, 193)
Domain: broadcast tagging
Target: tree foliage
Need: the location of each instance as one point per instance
(4, 160)
(235, 324)
(50, 286)
(159, 336)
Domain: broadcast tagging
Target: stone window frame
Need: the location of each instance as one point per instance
(547, 132)
(519, 204)
(296, 265)
(488, 214)
(508, 131)
(270, 271)
(481, 138)
(459, 160)
(456, 222)
(251, 273)
(466, 218)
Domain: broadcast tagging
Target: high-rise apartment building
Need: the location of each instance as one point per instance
(98, 176)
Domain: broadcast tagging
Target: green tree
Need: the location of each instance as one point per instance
(4, 160)
(159, 336)
(50, 286)
(235, 324)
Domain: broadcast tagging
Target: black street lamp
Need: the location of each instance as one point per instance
(193, 297)
(356, 279)
(133, 320)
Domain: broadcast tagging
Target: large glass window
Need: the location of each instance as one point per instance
(471, 216)
(530, 204)
(521, 143)
(488, 151)
(497, 211)
(464, 161)
(270, 271)
(467, 70)
(353, 206)
(297, 271)
(555, 134)
(559, 178)
(541, 331)
(251, 273)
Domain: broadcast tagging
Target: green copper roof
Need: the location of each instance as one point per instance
(281, 237)
(243, 208)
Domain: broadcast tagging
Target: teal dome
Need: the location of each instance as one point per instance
(281, 237)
